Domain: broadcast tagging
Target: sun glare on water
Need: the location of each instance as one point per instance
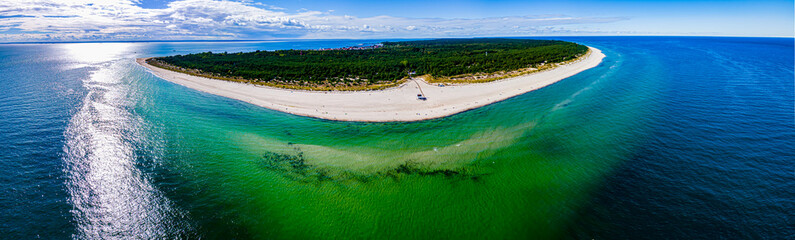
(96, 52)
(109, 194)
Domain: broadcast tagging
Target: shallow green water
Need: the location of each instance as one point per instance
(515, 169)
(669, 138)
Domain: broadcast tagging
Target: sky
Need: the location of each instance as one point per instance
(142, 20)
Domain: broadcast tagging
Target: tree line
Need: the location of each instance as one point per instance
(393, 61)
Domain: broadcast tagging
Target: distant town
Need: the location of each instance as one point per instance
(376, 46)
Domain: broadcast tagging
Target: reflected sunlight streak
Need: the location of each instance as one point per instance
(111, 197)
(96, 52)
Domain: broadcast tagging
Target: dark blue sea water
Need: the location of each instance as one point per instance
(89, 142)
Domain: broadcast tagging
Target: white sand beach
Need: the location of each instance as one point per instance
(393, 104)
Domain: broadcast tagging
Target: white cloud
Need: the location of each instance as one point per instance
(327, 26)
(69, 20)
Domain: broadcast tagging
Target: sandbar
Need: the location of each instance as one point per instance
(396, 104)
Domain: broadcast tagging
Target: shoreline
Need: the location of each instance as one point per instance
(395, 104)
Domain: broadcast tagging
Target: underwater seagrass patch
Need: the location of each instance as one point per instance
(296, 168)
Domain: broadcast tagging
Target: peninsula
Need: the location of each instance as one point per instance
(400, 81)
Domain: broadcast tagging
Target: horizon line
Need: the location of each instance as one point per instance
(330, 39)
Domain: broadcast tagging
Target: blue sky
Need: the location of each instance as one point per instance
(77, 20)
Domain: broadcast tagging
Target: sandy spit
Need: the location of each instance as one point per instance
(394, 104)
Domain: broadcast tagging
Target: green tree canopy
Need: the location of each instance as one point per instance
(388, 62)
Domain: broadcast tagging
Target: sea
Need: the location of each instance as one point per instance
(668, 138)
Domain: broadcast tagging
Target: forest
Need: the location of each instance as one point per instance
(378, 65)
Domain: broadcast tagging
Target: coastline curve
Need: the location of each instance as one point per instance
(396, 104)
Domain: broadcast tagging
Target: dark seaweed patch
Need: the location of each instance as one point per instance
(295, 167)
(413, 168)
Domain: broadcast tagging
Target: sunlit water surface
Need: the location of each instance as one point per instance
(667, 138)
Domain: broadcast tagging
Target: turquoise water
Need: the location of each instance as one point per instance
(669, 137)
